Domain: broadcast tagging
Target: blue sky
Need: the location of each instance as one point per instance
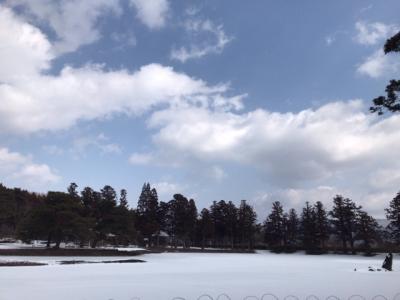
(260, 100)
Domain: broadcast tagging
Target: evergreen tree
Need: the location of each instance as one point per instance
(123, 227)
(206, 227)
(109, 195)
(231, 220)
(88, 200)
(72, 190)
(274, 227)
(393, 216)
(292, 228)
(123, 201)
(246, 224)
(217, 215)
(58, 219)
(191, 222)
(309, 228)
(366, 229)
(103, 213)
(183, 216)
(148, 213)
(163, 216)
(322, 224)
(344, 220)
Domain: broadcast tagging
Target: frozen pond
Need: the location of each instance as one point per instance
(169, 275)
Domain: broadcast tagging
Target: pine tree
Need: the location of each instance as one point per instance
(344, 220)
(72, 190)
(246, 224)
(123, 201)
(148, 212)
(309, 228)
(88, 200)
(206, 227)
(217, 215)
(109, 195)
(393, 216)
(163, 217)
(182, 214)
(322, 224)
(191, 222)
(292, 228)
(274, 227)
(366, 229)
(144, 197)
(231, 219)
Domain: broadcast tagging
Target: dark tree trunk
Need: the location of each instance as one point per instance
(48, 241)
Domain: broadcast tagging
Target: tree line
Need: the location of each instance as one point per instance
(91, 218)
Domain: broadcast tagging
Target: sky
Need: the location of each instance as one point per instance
(258, 100)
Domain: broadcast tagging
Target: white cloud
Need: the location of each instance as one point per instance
(207, 38)
(373, 33)
(379, 64)
(74, 22)
(53, 102)
(37, 102)
(24, 49)
(294, 198)
(166, 190)
(320, 148)
(17, 167)
(59, 102)
(325, 146)
(152, 13)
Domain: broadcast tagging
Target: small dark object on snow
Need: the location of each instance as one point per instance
(355, 269)
(371, 269)
(387, 263)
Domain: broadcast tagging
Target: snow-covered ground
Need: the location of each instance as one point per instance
(42, 244)
(169, 275)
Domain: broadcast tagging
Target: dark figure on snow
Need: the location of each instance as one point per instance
(387, 263)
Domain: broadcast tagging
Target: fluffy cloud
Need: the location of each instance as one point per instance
(207, 38)
(318, 148)
(293, 198)
(315, 147)
(33, 101)
(371, 201)
(17, 167)
(74, 22)
(49, 102)
(167, 189)
(378, 64)
(373, 33)
(152, 13)
(25, 51)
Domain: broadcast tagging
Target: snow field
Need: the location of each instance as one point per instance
(189, 275)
